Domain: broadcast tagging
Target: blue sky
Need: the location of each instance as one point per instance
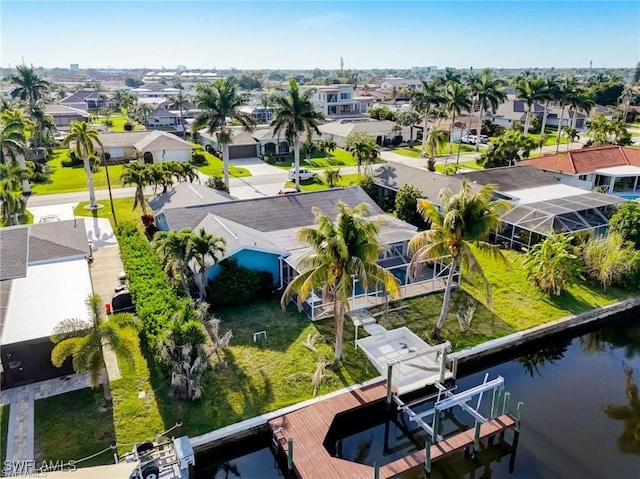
(288, 34)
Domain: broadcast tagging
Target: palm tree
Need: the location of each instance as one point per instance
(12, 201)
(341, 251)
(365, 150)
(436, 140)
(566, 92)
(205, 249)
(448, 77)
(548, 95)
(332, 176)
(85, 139)
(181, 103)
(158, 175)
(553, 264)
(456, 99)
(629, 440)
(529, 89)
(172, 247)
(140, 175)
(44, 123)
(13, 142)
(29, 86)
(328, 146)
(583, 101)
(295, 115)
(462, 222)
(307, 147)
(140, 112)
(422, 101)
(83, 341)
(221, 102)
(491, 94)
(599, 129)
(572, 135)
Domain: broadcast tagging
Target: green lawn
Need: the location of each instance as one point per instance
(122, 206)
(464, 165)
(214, 165)
(4, 427)
(319, 160)
(73, 426)
(67, 179)
(311, 185)
(415, 151)
(25, 218)
(551, 139)
(118, 121)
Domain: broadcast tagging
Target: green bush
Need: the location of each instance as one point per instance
(198, 158)
(236, 284)
(153, 296)
(407, 205)
(626, 221)
(216, 183)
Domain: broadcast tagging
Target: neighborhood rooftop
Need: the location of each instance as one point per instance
(511, 177)
(588, 159)
(183, 195)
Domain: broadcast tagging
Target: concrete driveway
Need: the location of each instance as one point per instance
(256, 166)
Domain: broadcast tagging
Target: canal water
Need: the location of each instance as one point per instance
(581, 419)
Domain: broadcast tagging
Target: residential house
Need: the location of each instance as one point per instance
(44, 279)
(154, 90)
(335, 101)
(152, 146)
(64, 115)
(515, 111)
(185, 195)
(612, 169)
(260, 114)
(85, 100)
(400, 83)
(163, 116)
(384, 131)
(243, 144)
(262, 234)
(368, 99)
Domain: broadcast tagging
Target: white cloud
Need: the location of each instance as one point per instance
(321, 21)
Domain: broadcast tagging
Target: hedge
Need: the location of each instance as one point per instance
(153, 296)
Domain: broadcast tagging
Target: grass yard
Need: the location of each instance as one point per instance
(122, 206)
(214, 165)
(464, 165)
(67, 179)
(320, 161)
(311, 185)
(118, 121)
(72, 426)
(25, 218)
(4, 428)
(415, 151)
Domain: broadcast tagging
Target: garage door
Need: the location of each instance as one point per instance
(242, 151)
(116, 152)
(175, 155)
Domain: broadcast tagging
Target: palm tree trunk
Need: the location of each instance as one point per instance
(526, 120)
(296, 160)
(453, 122)
(559, 129)
(423, 151)
(183, 279)
(544, 117)
(106, 389)
(140, 195)
(184, 130)
(203, 283)
(479, 132)
(447, 298)
(432, 158)
(225, 164)
(92, 194)
(338, 314)
(574, 118)
(26, 187)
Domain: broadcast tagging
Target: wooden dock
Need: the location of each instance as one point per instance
(308, 428)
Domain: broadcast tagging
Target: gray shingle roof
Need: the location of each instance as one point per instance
(511, 178)
(187, 194)
(80, 96)
(14, 252)
(275, 212)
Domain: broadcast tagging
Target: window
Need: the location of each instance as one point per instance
(345, 96)
(582, 177)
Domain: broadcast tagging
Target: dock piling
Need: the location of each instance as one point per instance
(427, 458)
(476, 437)
(376, 470)
(290, 455)
(518, 415)
(505, 402)
(389, 388)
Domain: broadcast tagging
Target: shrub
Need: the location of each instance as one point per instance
(407, 205)
(366, 183)
(128, 126)
(626, 221)
(216, 183)
(270, 159)
(108, 123)
(236, 284)
(611, 262)
(552, 265)
(150, 228)
(155, 299)
(198, 158)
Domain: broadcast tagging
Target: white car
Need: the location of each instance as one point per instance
(303, 174)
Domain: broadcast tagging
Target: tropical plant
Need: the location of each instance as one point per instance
(83, 341)
(219, 102)
(422, 101)
(364, 149)
(139, 175)
(571, 134)
(626, 221)
(408, 118)
(507, 150)
(332, 176)
(456, 99)
(553, 265)
(341, 251)
(580, 101)
(295, 115)
(566, 91)
(459, 229)
(12, 201)
(139, 112)
(212, 324)
(611, 261)
(407, 205)
(172, 247)
(307, 147)
(206, 250)
(13, 142)
(181, 103)
(159, 176)
(436, 140)
(328, 146)
(607, 132)
(548, 95)
(490, 93)
(29, 86)
(84, 139)
(530, 89)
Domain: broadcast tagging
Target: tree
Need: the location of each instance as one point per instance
(565, 93)
(133, 83)
(571, 134)
(206, 250)
(491, 94)
(407, 205)
(84, 139)
(221, 101)
(159, 176)
(548, 95)
(364, 149)
(459, 229)
(636, 73)
(507, 150)
(172, 246)
(422, 101)
(139, 112)
(83, 341)
(408, 118)
(12, 202)
(530, 89)
(341, 251)
(332, 176)
(307, 147)
(612, 261)
(456, 99)
(44, 124)
(626, 221)
(212, 325)
(29, 86)
(552, 264)
(181, 103)
(436, 140)
(581, 101)
(13, 141)
(295, 115)
(140, 175)
(328, 146)
(607, 132)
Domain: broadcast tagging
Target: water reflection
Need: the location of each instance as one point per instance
(533, 362)
(629, 441)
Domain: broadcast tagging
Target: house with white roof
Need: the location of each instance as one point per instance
(152, 146)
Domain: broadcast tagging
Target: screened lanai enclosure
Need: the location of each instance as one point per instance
(527, 224)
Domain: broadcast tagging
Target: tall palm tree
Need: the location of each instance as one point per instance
(456, 99)
(548, 95)
(581, 101)
(295, 115)
(448, 77)
(205, 249)
(140, 175)
(83, 341)
(84, 139)
(422, 101)
(572, 135)
(365, 151)
(436, 140)
(172, 247)
(44, 123)
(220, 102)
(491, 93)
(341, 250)
(181, 103)
(29, 86)
(462, 222)
(13, 141)
(12, 201)
(328, 146)
(566, 92)
(529, 89)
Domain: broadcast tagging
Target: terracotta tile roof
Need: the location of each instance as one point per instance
(587, 160)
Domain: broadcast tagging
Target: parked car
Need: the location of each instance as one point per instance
(472, 139)
(303, 174)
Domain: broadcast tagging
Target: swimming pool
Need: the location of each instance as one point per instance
(630, 197)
